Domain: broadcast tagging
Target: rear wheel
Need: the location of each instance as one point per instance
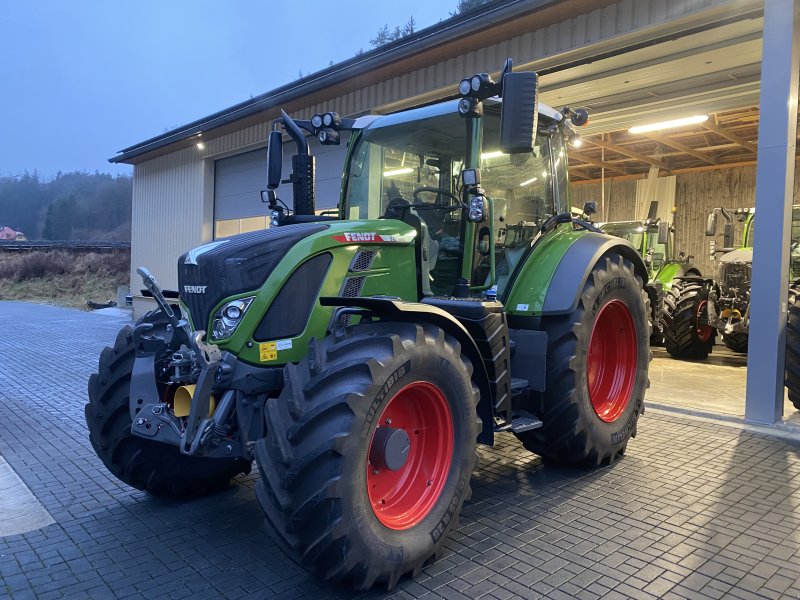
(597, 362)
(687, 334)
(793, 346)
(369, 452)
(154, 467)
(735, 341)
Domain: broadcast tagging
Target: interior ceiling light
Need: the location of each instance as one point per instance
(402, 171)
(494, 154)
(669, 124)
(201, 145)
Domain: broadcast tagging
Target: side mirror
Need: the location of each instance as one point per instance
(274, 159)
(520, 112)
(711, 224)
(727, 236)
(712, 249)
(663, 233)
(590, 208)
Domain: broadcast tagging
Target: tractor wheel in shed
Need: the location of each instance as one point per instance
(687, 334)
(793, 346)
(735, 341)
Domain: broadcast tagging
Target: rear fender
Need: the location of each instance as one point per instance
(392, 309)
(577, 262)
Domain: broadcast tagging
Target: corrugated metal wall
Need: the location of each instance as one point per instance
(168, 214)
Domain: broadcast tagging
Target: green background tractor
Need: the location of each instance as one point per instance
(655, 241)
(360, 358)
(697, 309)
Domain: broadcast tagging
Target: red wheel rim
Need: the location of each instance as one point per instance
(612, 361)
(703, 331)
(402, 498)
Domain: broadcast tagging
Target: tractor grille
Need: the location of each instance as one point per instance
(362, 260)
(736, 275)
(352, 287)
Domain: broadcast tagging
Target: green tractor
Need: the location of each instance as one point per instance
(697, 309)
(654, 239)
(359, 359)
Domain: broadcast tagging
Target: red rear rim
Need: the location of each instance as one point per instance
(612, 360)
(402, 498)
(704, 331)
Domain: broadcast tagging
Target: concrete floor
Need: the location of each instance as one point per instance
(716, 385)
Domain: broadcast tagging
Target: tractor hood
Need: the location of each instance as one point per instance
(742, 255)
(222, 268)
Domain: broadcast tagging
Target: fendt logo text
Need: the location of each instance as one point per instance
(195, 289)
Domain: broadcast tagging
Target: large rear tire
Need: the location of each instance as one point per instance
(597, 364)
(331, 495)
(687, 334)
(154, 467)
(793, 346)
(735, 341)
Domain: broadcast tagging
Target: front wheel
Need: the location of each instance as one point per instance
(735, 341)
(597, 363)
(369, 452)
(687, 334)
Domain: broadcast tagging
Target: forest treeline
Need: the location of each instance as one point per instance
(71, 206)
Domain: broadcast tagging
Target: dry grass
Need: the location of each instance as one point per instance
(63, 278)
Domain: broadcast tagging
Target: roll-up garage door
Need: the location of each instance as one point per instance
(238, 181)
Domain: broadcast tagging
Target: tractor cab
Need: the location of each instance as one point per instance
(410, 166)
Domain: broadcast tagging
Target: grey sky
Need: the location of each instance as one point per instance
(81, 79)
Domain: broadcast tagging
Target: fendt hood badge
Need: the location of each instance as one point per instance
(194, 253)
(370, 236)
(195, 289)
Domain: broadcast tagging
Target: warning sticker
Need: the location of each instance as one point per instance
(284, 344)
(267, 351)
(522, 307)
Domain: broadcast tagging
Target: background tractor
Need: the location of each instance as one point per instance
(697, 309)
(655, 241)
(360, 358)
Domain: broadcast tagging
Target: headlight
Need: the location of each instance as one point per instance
(227, 318)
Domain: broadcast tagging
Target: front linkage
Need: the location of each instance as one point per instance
(225, 397)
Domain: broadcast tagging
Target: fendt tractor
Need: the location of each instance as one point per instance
(360, 358)
(697, 309)
(654, 239)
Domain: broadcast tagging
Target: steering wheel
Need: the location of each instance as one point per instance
(435, 190)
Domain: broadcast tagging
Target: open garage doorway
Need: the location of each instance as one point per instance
(679, 176)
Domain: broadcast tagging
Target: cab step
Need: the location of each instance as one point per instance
(521, 421)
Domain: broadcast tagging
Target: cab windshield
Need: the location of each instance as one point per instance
(411, 163)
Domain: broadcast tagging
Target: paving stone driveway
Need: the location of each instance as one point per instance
(694, 510)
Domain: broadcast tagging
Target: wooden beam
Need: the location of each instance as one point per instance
(626, 152)
(683, 148)
(730, 136)
(596, 163)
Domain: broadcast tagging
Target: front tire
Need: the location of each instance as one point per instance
(597, 364)
(736, 342)
(687, 334)
(330, 493)
(154, 467)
